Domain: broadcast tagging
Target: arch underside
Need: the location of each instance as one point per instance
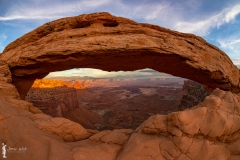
(112, 43)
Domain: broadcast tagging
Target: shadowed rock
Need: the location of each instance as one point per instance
(110, 43)
(195, 94)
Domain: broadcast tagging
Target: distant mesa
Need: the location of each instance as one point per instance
(103, 41)
(43, 83)
(68, 77)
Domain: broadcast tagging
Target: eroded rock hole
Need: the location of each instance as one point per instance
(84, 24)
(114, 102)
(110, 24)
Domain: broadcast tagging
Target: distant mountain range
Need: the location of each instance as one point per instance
(70, 78)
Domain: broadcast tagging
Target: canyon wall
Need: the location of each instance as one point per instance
(44, 83)
(194, 94)
(53, 101)
(58, 98)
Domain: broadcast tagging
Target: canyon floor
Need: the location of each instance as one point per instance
(109, 103)
(128, 105)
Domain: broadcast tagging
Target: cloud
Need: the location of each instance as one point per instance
(146, 11)
(31, 10)
(236, 62)
(155, 12)
(147, 70)
(232, 13)
(202, 27)
(96, 73)
(3, 37)
(173, 15)
(231, 44)
(165, 13)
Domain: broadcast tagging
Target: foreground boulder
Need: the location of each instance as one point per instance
(103, 41)
(210, 130)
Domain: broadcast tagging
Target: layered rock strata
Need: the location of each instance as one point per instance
(53, 101)
(59, 99)
(43, 83)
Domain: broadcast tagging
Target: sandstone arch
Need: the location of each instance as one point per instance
(110, 43)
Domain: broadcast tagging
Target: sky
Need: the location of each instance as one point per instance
(96, 73)
(217, 21)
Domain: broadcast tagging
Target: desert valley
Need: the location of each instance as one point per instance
(113, 103)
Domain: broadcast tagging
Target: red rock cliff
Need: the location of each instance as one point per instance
(53, 101)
